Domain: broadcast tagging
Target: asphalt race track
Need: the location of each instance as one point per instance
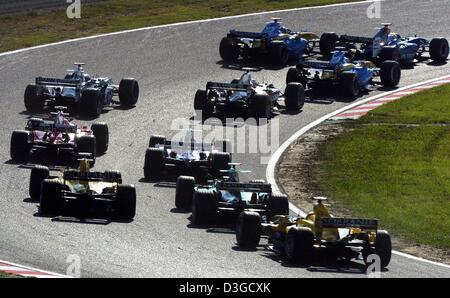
(171, 64)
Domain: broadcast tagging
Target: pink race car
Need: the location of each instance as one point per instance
(59, 136)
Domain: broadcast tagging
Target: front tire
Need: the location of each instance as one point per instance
(154, 163)
(204, 207)
(299, 245)
(202, 105)
(278, 205)
(278, 53)
(248, 229)
(38, 175)
(294, 96)
(439, 49)
(390, 73)
(184, 192)
(101, 133)
(125, 208)
(128, 92)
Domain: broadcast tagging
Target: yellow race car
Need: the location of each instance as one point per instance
(298, 237)
(83, 193)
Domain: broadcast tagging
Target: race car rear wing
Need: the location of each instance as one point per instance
(337, 222)
(57, 82)
(315, 64)
(91, 176)
(355, 39)
(244, 34)
(248, 187)
(227, 86)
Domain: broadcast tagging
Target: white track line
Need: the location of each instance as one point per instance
(181, 24)
(28, 271)
(271, 167)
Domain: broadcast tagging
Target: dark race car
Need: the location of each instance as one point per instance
(59, 137)
(80, 92)
(275, 43)
(245, 95)
(166, 159)
(388, 46)
(227, 197)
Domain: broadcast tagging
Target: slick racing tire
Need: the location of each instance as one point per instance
(33, 102)
(202, 105)
(327, 43)
(184, 192)
(204, 207)
(154, 163)
(294, 96)
(439, 49)
(38, 175)
(125, 208)
(392, 54)
(390, 73)
(101, 133)
(349, 84)
(228, 50)
(51, 201)
(19, 148)
(156, 140)
(260, 107)
(299, 245)
(293, 76)
(248, 230)
(128, 92)
(87, 144)
(278, 205)
(91, 103)
(382, 248)
(220, 161)
(278, 53)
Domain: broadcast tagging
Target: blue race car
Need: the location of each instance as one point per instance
(275, 42)
(351, 75)
(388, 46)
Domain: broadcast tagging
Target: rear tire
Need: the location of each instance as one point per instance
(154, 163)
(327, 43)
(260, 107)
(125, 208)
(439, 49)
(248, 230)
(390, 73)
(156, 140)
(278, 53)
(33, 102)
(278, 205)
(101, 133)
(204, 207)
(51, 202)
(38, 175)
(128, 92)
(91, 103)
(294, 96)
(349, 84)
(87, 144)
(382, 248)
(392, 54)
(184, 192)
(229, 52)
(201, 104)
(19, 148)
(299, 245)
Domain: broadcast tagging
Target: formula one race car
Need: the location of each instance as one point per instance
(245, 94)
(275, 42)
(352, 77)
(80, 92)
(83, 193)
(188, 157)
(60, 137)
(297, 237)
(227, 196)
(388, 46)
